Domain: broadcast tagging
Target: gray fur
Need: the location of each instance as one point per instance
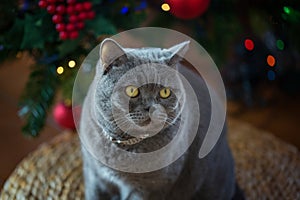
(187, 178)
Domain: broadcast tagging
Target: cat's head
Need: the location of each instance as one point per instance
(138, 88)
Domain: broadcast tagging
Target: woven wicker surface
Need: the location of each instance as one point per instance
(266, 168)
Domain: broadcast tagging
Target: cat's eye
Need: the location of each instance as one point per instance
(165, 93)
(132, 91)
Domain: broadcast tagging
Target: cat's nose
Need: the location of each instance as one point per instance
(147, 108)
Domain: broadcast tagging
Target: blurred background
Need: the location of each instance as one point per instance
(255, 45)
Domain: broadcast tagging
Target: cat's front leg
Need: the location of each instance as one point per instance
(93, 192)
(98, 189)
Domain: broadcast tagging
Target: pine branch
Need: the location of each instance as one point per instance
(37, 98)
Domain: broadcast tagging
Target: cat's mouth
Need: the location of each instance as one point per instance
(143, 123)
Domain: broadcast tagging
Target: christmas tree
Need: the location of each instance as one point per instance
(249, 40)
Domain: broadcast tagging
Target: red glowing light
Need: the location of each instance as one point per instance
(249, 44)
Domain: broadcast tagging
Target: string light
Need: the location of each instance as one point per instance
(271, 60)
(280, 44)
(72, 63)
(165, 7)
(249, 44)
(287, 10)
(271, 75)
(60, 70)
(124, 10)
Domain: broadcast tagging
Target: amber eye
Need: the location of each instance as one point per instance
(132, 91)
(165, 93)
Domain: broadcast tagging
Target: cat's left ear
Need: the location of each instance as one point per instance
(177, 52)
(110, 52)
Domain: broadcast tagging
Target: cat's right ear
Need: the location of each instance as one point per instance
(109, 52)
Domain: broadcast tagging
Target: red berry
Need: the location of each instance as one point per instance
(43, 4)
(80, 25)
(60, 27)
(87, 5)
(73, 18)
(70, 27)
(91, 15)
(83, 16)
(63, 35)
(74, 34)
(51, 9)
(51, 1)
(61, 9)
(57, 19)
(71, 1)
(79, 7)
(70, 9)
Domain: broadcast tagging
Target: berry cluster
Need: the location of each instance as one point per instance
(68, 15)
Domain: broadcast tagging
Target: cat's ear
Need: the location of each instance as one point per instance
(177, 52)
(110, 50)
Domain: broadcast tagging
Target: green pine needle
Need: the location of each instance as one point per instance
(37, 98)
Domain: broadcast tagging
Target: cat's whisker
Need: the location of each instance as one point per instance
(121, 122)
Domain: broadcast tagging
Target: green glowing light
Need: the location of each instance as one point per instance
(280, 44)
(287, 10)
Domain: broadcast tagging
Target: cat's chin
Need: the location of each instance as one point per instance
(143, 123)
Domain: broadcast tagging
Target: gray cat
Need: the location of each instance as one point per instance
(188, 177)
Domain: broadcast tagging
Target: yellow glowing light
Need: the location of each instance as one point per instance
(72, 63)
(68, 102)
(165, 7)
(60, 70)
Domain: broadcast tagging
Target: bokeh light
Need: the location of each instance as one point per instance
(165, 7)
(287, 10)
(60, 70)
(249, 44)
(271, 75)
(271, 60)
(124, 10)
(72, 63)
(280, 44)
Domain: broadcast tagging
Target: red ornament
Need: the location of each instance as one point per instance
(71, 1)
(43, 4)
(63, 116)
(60, 27)
(83, 16)
(70, 27)
(73, 34)
(80, 25)
(68, 15)
(91, 15)
(51, 1)
(87, 5)
(188, 9)
(60, 9)
(70, 9)
(73, 18)
(63, 35)
(51, 9)
(79, 7)
(57, 19)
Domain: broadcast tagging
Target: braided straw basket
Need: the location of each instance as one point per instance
(266, 168)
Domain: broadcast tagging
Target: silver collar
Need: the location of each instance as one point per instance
(130, 141)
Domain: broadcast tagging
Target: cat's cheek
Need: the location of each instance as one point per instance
(118, 103)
